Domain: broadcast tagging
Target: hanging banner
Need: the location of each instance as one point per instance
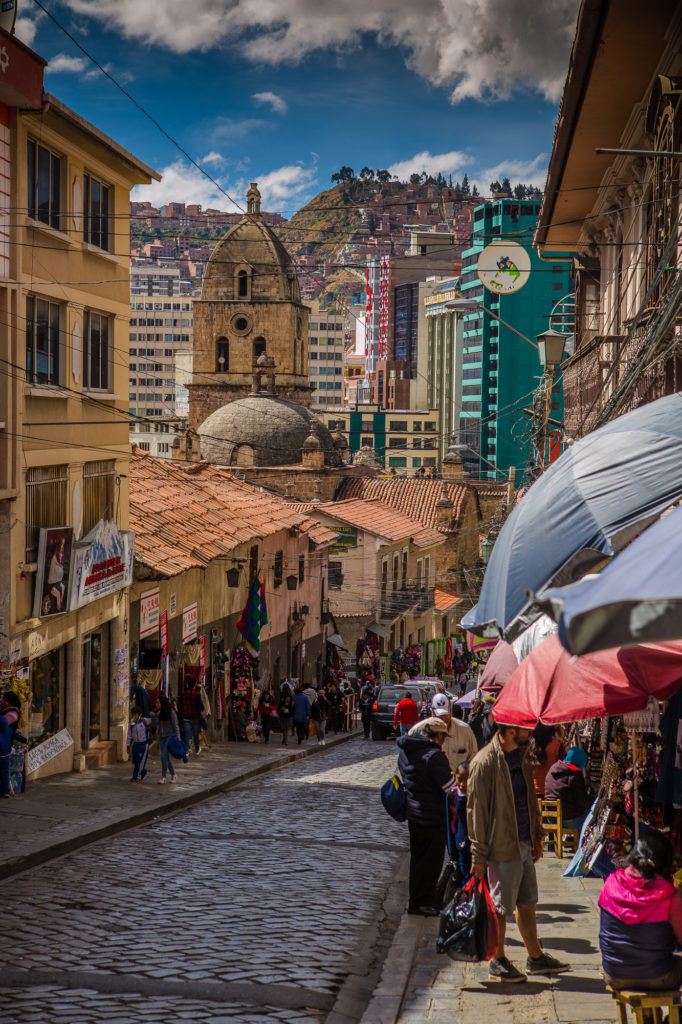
(163, 625)
(53, 579)
(503, 267)
(150, 605)
(190, 622)
(102, 564)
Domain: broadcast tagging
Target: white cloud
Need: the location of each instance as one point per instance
(272, 100)
(25, 29)
(530, 172)
(226, 129)
(182, 182)
(480, 49)
(432, 163)
(63, 64)
(212, 158)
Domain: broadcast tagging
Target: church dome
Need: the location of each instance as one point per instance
(263, 430)
(250, 262)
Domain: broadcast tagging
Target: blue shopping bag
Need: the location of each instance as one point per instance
(394, 798)
(177, 748)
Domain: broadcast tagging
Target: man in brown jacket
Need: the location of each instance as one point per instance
(506, 838)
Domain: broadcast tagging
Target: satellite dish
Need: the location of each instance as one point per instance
(8, 14)
(503, 267)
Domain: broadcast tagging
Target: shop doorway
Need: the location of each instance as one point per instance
(95, 687)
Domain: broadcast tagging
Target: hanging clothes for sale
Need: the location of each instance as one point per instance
(669, 789)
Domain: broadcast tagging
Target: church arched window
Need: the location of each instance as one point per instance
(222, 355)
(242, 284)
(258, 348)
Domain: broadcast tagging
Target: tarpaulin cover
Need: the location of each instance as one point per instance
(500, 666)
(551, 687)
(636, 599)
(624, 473)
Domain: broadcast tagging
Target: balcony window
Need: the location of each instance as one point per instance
(44, 169)
(97, 205)
(99, 483)
(43, 323)
(97, 351)
(46, 494)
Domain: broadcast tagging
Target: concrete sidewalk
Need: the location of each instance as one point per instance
(59, 814)
(419, 986)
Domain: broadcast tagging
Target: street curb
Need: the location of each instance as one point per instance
(389, 995)
(31, 860)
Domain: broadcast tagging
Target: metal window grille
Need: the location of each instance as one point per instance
(46, 496)
(99, 484)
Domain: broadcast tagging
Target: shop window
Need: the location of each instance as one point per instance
(97, 351)
(301, 568)
(44, 170)
(335, 576)
(222, 355)
(43, 340)
(46, 494)
(279, 568)
(99, 483)
(47, 696)
(97, 206)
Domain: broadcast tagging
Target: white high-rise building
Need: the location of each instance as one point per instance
(325, 355)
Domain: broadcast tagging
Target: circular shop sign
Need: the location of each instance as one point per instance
(503, 267)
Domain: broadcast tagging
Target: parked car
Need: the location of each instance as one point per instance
(384, 707)
(428, 688)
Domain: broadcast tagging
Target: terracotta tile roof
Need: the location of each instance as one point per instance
(444, 600)
(382, 520)
(490, 488)
(413, 496)
(184, 517)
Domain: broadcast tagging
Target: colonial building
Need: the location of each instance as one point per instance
(612, 198)
(250, 306)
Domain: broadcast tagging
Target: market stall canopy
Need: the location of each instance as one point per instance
(337, 640)
(583, 508)
(636, 599)
(551, 687)
(382, 631)
(500, 666)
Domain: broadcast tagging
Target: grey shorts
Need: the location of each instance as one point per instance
(513, 882)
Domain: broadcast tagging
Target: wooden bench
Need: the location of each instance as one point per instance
(648, 1007)
(553, 826)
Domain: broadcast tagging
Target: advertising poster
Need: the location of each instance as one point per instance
(150, 607)
(190, 622)
(53, 578)
(102, 564)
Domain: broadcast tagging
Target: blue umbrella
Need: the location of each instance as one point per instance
(636, 599)
(583, 508)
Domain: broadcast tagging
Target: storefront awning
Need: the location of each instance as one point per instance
(337, 640)
(381, 631)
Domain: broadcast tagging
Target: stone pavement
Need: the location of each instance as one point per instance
(419, 986)
(274, 902)
(61, 813)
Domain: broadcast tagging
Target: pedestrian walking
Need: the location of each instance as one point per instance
(301, 715)
(318, 713)
(641, 919)
(367, 699)
(138, 743)
(406, 715)
(285, 710)
(506, 838)
(265, 712)
(335, 699)
(191, 708)
(167, 725)
(10, 711)
(427, 779)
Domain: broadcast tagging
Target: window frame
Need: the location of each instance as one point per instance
(105, 381)
(53, 349)
(99, 237)
(55, 211)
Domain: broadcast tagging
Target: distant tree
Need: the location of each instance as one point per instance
(495, 187)
(520, 191)
(343, 175)
(465, 187)
(415, 179)
(450, 180)
(475, 192)
(367, 174)
(506, 185)
(383, 175)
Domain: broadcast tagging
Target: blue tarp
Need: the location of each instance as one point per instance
(625, 473)
(636, 599)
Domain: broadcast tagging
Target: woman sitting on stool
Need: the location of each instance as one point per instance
(641, 919)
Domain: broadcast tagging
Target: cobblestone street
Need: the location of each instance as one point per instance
(254, 906)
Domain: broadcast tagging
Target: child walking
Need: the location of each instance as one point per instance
(462, 845)
(138, 743)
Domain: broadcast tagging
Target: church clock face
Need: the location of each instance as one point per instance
(241, 324)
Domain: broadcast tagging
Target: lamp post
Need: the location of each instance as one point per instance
(551, 350)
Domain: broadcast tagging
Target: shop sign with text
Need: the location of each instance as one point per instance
(190, 622)
(150, 607)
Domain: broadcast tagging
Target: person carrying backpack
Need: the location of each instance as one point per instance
(318, 713)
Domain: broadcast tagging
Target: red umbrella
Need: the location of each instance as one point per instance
(502, 663)
(551, 687)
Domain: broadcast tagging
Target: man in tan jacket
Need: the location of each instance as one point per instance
(506, 838)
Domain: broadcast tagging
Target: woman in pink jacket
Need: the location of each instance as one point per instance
(641, 919)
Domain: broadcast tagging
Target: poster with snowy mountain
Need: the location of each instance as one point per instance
(102, 563)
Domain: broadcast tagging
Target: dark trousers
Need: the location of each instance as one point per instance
(366, 721)
(427, 850)
(338, 719)
(265, 725)
(302, 730)
(4, 775)
(140, 753)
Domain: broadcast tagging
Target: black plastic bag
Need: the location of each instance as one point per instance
(447, 885)
(463, 931)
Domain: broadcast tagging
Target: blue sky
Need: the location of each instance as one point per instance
(285, 91)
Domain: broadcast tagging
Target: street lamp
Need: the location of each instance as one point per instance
(551, 350)
(487, 546)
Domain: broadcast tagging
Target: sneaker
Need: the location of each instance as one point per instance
(162, 782)
(545, 964)
(172, 778)
(143, 774)
(198, 751)
(503, 970)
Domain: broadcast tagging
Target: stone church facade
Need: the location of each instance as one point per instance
(250, 305)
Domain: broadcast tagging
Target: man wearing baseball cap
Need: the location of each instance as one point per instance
(460, 743)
